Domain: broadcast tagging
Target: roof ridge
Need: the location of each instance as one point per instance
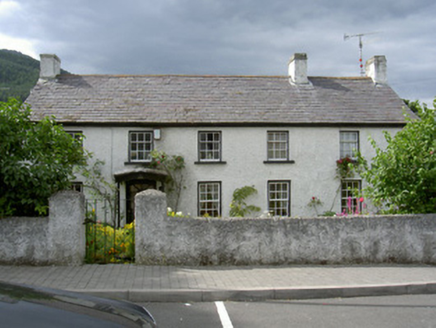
(215, 76)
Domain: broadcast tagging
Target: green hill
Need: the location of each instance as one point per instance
(18, 74)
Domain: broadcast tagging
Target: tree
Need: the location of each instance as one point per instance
(413, 105)
(36, 160)
(402, 178)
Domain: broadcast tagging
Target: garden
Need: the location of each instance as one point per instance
(108, 244)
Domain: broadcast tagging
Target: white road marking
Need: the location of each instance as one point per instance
(224, 316)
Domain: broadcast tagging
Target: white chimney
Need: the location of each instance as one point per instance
(376, 69)
(50, 66)
(297, 69)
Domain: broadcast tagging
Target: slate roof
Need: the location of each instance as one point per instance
(216, 100)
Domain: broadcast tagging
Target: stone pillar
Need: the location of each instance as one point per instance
(150, 215)
(66, 231)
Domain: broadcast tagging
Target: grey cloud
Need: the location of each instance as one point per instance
(247, 37)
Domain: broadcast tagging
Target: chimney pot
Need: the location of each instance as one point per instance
(50, 66)
(297, 69)
(376, 69)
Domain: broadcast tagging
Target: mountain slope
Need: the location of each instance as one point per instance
(18, 74)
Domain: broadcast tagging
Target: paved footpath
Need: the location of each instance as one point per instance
(196, 284)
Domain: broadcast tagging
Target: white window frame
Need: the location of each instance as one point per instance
(348, 144)
(279, 199)
(277, 145)
(209, 199)
(348, 189)
(141, 144)
(209, 146)
(76, 135)
(77, 186)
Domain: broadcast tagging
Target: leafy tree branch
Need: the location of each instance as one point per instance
(402, 177)
(37, 159)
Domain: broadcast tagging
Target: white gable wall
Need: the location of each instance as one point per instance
(244, 150)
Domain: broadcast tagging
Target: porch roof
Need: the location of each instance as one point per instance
(140, 173)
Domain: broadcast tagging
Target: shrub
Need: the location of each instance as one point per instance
(402, 177)
(238, 206)
(36, 160)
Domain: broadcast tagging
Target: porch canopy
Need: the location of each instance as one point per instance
(140, 173)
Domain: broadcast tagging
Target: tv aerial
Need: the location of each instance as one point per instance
(360, 36)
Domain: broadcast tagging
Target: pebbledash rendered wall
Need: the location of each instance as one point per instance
(245, 241)
(161, 240)
(55, 240)
(314, 151)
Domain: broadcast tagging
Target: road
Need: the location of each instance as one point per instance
(387, 311)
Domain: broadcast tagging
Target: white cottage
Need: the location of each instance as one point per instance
(280, 134)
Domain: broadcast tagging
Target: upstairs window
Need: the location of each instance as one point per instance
(279, 198)
(278, 146)
(140, 146)
(209, 146)
(209, 199)
(349, 144)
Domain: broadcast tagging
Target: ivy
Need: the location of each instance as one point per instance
(173, 166)
(345, 168)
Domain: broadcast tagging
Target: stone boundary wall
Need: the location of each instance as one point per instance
(162, 240)
(55, 240)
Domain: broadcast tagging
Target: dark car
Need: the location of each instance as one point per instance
(25, 306)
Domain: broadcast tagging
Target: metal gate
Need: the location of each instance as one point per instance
(106, 241)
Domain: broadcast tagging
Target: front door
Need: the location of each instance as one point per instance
(132, 188)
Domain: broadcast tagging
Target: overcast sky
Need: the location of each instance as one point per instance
(229, 37)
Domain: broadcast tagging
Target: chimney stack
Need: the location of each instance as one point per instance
(297, 69)
(376, 69)
(50, 66)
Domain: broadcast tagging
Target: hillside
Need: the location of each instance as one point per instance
(18, 74)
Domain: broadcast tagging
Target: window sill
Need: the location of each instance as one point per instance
(137, 163)
(279, 162)
(210, 162)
